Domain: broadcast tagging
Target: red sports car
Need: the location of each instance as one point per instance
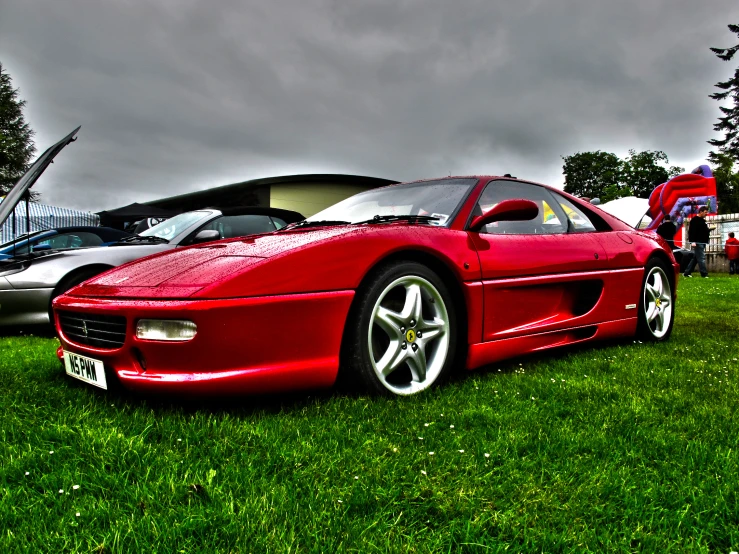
(393, 289)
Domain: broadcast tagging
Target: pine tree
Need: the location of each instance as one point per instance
(729, 124)
(16, 144)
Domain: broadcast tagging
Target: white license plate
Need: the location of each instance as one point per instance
(85, 369)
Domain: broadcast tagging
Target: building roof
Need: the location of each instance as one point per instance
(248, 190)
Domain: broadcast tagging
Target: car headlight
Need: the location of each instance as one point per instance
(166, 329)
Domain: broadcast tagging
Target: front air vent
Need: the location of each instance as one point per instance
(100, 331)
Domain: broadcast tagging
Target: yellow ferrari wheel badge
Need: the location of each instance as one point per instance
(657, 302)
(410, 335)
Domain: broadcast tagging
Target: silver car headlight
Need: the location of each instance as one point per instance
(166, 329)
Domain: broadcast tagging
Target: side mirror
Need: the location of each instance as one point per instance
(515, 209)
(206, 236)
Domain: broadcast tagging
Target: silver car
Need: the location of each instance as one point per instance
(30, 281)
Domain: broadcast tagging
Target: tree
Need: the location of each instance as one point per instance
(727, 184)
(16, 144)
(729, 124)
(604, 175)
(640, 173)
(591, 173)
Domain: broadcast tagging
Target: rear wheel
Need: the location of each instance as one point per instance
(656, 310)
(402, 338)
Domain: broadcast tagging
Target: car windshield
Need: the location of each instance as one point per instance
(438, 199)
(170, 228)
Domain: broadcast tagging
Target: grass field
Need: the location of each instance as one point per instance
(626, 447)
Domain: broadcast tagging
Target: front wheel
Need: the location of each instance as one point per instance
(657, 306)
(402, 338)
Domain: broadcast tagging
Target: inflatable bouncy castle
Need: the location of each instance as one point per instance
(681, 196)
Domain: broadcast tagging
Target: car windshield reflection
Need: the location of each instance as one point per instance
(437, 199)
(170, 228)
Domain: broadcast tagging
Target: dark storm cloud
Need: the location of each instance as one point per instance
(176, 96)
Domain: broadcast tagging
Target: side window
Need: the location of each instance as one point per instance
(73, 240)
(580, 222)
(231, 226)
(20, 250)
(550, 220)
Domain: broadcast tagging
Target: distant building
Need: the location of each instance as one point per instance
(307, 194)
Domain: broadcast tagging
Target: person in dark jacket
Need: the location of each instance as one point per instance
(698, 236)
(667, 230)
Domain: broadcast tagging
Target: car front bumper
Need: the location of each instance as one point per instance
(242, 346)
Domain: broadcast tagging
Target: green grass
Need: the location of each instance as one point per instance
(625, 447)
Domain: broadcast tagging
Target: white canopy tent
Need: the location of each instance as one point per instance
(630, 210)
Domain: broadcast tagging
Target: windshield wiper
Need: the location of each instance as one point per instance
(408, 217)
(143, 238)
(321, 223)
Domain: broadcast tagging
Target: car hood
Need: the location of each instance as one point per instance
(180, 273)
(31, 176)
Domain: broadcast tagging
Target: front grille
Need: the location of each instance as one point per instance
(101, 331)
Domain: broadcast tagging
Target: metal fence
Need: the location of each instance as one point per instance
(721, 226)
(43, 217)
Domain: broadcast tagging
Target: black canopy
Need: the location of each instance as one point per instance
(130, 213)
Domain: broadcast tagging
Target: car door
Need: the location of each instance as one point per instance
(539, 275)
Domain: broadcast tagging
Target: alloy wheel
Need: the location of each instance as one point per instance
(657, 303)
(409, 335)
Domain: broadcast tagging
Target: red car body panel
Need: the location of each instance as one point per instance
(271, 310)
(242, 345)
(274, 264)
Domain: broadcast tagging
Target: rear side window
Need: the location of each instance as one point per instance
(580, 220)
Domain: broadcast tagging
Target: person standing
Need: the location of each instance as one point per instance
(667, 230)
(732, 252)
(698, 235)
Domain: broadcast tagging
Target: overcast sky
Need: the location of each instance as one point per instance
(177, 95)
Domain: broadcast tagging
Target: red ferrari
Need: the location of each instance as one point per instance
(393, 289)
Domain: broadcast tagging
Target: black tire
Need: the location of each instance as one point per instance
(72, 280)
(656, 302)
(388, 349)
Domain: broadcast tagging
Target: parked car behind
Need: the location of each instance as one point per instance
(60, 239)
(30, 281)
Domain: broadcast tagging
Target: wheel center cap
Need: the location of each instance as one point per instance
(658, 302)
(410, 335)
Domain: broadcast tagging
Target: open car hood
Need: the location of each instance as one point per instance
(31, 176)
